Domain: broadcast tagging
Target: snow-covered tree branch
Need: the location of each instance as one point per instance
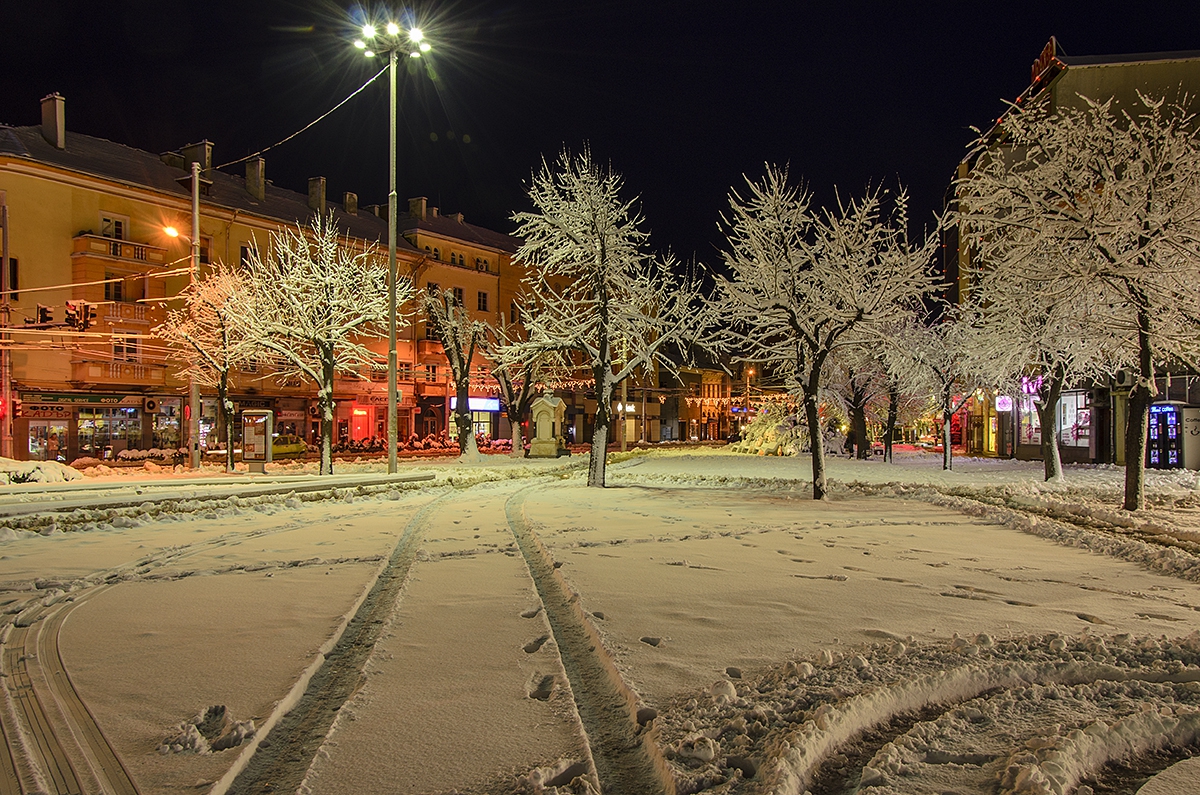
(1101, 207)
(461, 339)
(309, 304)
(209, 343)
(806, 283)
(599, 293)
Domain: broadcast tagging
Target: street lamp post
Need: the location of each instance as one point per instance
(413, 43)
(194, 273)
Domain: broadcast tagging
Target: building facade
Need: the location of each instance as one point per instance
(92, 273)
(1091, 417)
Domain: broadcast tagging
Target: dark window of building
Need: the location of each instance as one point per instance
(13, 281)
(244, 255)
(483, 302)
(458, 296)
(431, 288)
(516, 312)
(114, 290)
(114, 226)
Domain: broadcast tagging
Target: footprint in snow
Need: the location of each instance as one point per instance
(535, 644)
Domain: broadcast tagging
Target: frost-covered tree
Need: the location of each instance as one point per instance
(857, 382)
(805, 284)
(601, 294)
(935, 359)
(461, 339)
(310, 304)
(518, 373)
(1043, 335)
(208, 342)
(1121, 192)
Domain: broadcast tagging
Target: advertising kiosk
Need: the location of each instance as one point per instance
(257, 434)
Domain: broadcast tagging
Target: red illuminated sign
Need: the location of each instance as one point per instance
(1048, 56)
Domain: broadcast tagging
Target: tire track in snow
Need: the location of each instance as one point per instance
(282, 751)
(66, 747)
(624, 749)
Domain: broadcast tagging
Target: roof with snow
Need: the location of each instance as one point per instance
(102, 158)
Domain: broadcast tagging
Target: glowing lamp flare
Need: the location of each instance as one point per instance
(393, 29)
(170, 231)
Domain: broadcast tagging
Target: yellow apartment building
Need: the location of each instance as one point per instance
(85, 234)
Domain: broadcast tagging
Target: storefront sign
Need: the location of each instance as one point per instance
(1004, 403)
(44, 411)
(477, 403)
(82, 399)
(290, 416)
(376, 399)
(1048, 55)
(252, 403)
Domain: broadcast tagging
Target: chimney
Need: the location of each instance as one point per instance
(433, 212)
(316, 195)
(350, 203)
(54, 120)
(458, 217)
(256, 178)
(199, 153)
(416, 207)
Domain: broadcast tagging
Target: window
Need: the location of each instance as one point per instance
(244, 255)
(516, 312)
(431, 332)
(13, 281)
(114, 291)
(431, 372)
(404, 371)
(205, 249)
(1074, 420)
(437, 253)
(432, 288)
(483, 301)
(458, 296)
(114, 226)
(125, 348)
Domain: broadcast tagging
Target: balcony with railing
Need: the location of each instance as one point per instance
(116, 372)
(127, 250)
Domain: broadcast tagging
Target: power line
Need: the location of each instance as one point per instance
(307, 126)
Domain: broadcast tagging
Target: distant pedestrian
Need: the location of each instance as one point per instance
(849, 445)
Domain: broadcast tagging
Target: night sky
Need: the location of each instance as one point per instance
(682, 98)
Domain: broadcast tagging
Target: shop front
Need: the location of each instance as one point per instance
(64, 426)
(1074, 420)
(485, 414)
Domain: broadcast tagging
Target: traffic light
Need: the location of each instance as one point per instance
(45, 314)
(71, 315)
(87, 315)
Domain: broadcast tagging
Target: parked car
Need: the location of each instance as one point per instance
(288, 446)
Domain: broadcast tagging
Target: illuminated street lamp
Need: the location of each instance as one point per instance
(393, 41)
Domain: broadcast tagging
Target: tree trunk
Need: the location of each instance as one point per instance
(468, 450)
(858, 421)
(1139, 416)
(892, 415)
(817, 443)
(599, 454)
(947, 451)
(518, 441)
(1047, 410)
(227, 412)
(325, 402)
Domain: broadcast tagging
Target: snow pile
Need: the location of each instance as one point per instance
(212, 729)
(1035, 715)
(35, 472)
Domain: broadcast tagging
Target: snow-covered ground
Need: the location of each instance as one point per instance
(919, 631)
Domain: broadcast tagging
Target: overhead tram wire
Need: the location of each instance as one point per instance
(320, 118)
